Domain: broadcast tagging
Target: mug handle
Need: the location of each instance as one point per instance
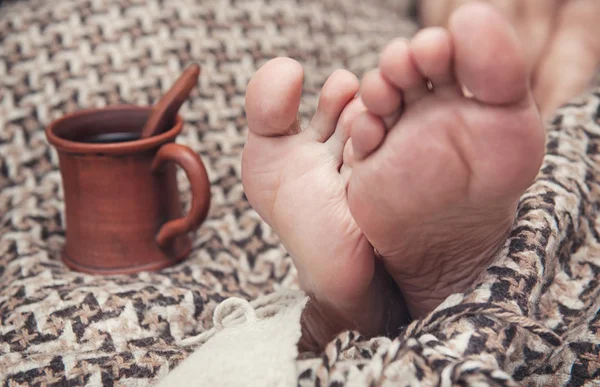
(195, 171)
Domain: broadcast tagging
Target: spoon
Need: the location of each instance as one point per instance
(166, 108)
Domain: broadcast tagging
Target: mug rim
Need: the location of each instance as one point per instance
(70, 146)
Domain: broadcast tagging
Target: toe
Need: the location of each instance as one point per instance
(348, 159)
(339, 139)
(381, 97)
(488, 58)
(367, 132)
(432, 51)
(339, 89)
(397, 66)
(273, 98)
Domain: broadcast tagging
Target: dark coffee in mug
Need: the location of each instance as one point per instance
(107, 138)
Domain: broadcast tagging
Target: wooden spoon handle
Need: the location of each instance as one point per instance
(166, 109)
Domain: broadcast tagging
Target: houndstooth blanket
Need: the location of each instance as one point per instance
(532, 318)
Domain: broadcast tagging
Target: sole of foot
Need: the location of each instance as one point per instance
(293, 179)
(437, 174)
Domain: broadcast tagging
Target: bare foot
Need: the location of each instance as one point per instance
(292, 179)
(560, 41)
(434, 187)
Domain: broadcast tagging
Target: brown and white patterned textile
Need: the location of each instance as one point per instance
(532, 319)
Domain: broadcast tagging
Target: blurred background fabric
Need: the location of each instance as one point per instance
(532, 318)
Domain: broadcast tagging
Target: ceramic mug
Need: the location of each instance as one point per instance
(122, 208)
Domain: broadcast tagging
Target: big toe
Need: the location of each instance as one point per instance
(273, 98)
(488, 56)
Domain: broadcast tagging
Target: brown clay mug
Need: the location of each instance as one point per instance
(122, 206)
